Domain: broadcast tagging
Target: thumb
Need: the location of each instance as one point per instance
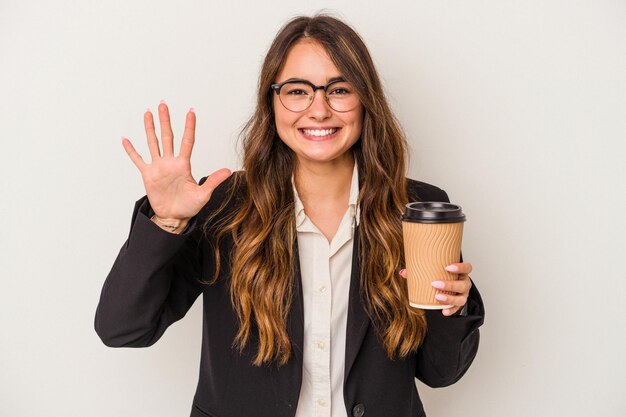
(214, 179)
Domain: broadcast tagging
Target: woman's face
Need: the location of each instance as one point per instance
(319, 133)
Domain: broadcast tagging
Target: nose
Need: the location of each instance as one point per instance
(319, 108)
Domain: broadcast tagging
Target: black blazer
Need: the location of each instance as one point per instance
(153, 283)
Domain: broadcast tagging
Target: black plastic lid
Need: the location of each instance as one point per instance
(433, 212)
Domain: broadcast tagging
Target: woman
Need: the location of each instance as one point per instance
(298, 257)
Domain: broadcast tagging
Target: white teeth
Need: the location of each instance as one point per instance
(322, 132)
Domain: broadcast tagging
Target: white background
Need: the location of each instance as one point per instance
(516, 108)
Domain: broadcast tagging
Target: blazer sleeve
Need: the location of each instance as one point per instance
(451, 343)
(153, 281)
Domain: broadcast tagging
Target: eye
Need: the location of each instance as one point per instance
(339, 91)
(340, 88)
(295, 92)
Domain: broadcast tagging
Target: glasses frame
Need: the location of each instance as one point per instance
(276, 87)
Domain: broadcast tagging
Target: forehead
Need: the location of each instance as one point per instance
(308, 60)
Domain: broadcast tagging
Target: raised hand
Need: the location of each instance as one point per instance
(174, 194)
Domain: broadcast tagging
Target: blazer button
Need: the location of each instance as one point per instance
(358, 410)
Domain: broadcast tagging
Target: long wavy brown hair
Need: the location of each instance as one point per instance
(263, 225)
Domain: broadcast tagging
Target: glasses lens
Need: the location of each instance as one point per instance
(341, 96)
(296, 96)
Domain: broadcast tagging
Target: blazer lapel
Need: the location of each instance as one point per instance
(358, 320)
(295, 326)
(288, 378)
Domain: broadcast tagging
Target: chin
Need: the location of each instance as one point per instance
(320, 156)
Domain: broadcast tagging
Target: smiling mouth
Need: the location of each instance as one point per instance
(317, 134)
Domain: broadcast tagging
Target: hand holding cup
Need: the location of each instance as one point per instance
(457, 291)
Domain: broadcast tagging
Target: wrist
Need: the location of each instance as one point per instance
(175, 226)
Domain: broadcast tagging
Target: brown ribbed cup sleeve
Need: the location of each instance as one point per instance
(429, 248)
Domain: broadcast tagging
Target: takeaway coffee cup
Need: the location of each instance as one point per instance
(432, 240)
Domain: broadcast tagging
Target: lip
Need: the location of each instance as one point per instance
(319, 138)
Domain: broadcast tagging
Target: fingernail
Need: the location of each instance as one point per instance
(162, 102)
(438, 284)
(441, 297)
(148, 109)
(452, 268)
(192, 110)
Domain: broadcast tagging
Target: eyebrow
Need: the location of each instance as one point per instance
(332, 80)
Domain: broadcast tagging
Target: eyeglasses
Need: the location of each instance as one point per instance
(297, 95)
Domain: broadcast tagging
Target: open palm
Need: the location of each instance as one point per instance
(171, 189)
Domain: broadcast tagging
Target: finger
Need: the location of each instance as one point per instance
(403, 273)
(460, 268)
(455, 300)
(153, 141)
(460, 286)
(451, 311)
(167, 137)
(215, 179)
(134, 156)
(189, 135)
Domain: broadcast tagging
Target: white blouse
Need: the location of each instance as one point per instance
(325, 270)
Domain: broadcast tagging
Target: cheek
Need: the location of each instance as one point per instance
(357, 123)
(283, 126)
(283, 117)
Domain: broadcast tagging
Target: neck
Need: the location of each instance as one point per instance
(328, 181)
